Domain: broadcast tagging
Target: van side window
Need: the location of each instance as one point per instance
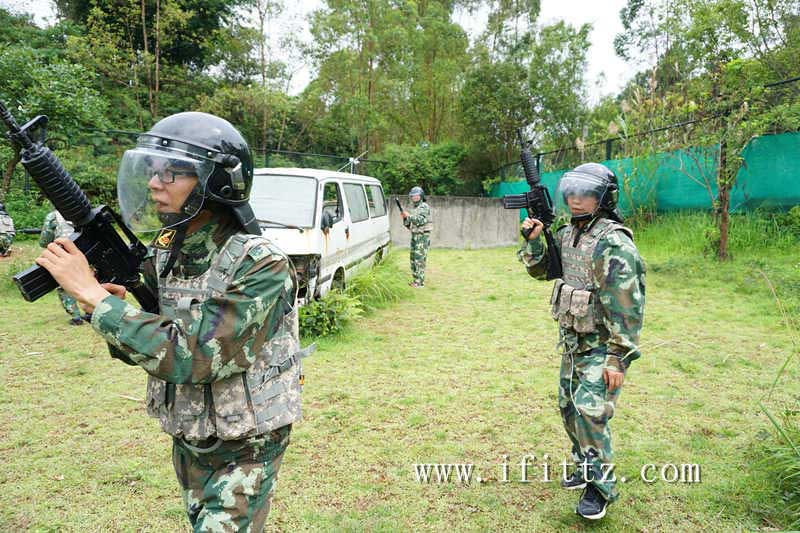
(377, 205)
(332, 201)
(356, 202)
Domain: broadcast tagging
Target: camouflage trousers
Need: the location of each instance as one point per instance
(586, 407)
(230, 488)
(420, 242)
(69, 303)
(5, 243)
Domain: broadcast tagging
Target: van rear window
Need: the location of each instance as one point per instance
(356, 202)
(377, 205)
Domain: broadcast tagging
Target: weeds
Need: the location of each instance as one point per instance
(370, 289)
(782, 457)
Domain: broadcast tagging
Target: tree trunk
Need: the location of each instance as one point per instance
(724, 183)
(9, 171)
(147, 61)
(157, 59)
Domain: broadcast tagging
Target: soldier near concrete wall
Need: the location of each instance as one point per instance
(599, 305)
(54, 227)
(7, 232)
(222, 353)
(419, 221)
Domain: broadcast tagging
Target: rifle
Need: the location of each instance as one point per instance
(29, 231)
(113, 259)
(399, 207)
(539, 205)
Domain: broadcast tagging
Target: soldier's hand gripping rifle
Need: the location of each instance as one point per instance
(113, 259)
(539, 205)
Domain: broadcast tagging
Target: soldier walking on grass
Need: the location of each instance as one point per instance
(599, 305)
(420, 223)
(54, 227)
(7, 232)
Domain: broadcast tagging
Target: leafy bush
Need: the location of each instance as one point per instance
(328, 315)
(368, 290)
(790, 220)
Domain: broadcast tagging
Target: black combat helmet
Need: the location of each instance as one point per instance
(190, 143)
(592, 179)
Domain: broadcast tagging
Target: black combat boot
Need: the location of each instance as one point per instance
(574, 481)
(592, 505)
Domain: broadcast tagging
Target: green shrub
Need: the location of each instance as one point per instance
(369, 289)
(328, 315)
(790, 220)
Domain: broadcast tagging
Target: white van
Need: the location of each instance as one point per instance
(329, 223)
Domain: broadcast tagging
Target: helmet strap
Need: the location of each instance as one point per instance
(582, 218)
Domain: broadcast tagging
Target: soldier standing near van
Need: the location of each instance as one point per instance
(599, 305)
(53, 227)
(222, 353)
(7, 232)
(420, 224)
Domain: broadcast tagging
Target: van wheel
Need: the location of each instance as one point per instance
(379, 256)
(338, 280)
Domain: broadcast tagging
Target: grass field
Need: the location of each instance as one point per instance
(464, 371)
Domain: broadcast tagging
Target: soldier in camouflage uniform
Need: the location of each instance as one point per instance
(7, 232)
(53, 227)
(222, 354)
(599, 305)
(420, 223)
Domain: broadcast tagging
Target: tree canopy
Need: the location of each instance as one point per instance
(401, 80)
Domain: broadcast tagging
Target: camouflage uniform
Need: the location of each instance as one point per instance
(599, 304)
(53, 227)
(224, 370)
(420, 223)
(7, 233)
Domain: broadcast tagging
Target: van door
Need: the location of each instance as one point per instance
(360, 230)
(334, 226)
(378, 217)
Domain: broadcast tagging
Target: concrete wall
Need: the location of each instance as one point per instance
(461, 222)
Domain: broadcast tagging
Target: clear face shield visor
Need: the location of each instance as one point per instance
(582, 185)
(159, 188)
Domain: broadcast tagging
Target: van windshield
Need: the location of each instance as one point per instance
(286, 200)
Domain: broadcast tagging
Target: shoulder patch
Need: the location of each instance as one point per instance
(620, 236)
(262, 250)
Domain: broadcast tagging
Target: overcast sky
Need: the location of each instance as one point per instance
(606, 72)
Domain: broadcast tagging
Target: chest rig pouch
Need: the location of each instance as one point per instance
(264, 397)
(6, 224)
(574, 302)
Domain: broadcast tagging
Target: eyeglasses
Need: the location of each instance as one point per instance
(168, 175)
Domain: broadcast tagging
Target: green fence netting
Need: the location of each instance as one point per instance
(686, 179)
